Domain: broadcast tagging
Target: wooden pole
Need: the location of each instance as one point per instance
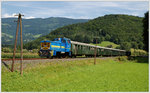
(21, 52)
(12, 68)
(95, 53)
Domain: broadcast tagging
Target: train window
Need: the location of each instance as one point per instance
(56, 39)
(76, 46)
(63, 41)
(48, 44)
(92, 48)
(84, 47)
(79, 47)
(42, 45)
(68, 41)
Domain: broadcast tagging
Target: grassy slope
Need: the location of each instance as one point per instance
(6, 35)
(36, 36)
(79, 75)
(106, 43)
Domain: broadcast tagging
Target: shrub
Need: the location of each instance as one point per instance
(25, 51)
(35, 51)
(123, 58)
(138, 52)
(6, 50)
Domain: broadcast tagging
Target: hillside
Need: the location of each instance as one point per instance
(124, 30)
(33, 28)
(107, 44)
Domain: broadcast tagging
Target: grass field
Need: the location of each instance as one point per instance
(108, 74)
(106, 43)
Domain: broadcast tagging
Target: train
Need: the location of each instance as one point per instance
(64, 47)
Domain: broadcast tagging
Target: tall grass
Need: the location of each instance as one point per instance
(17, 55)
(79, 76)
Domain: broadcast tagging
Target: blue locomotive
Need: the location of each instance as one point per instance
(62, 47)
(58, 47)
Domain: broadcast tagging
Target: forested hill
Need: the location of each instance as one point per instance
(33, 28)
(124, 30)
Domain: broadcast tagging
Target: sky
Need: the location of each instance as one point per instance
(75, 10)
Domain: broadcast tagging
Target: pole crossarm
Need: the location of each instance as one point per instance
(19, 16)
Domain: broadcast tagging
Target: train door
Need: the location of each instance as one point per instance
(68, 46)
(63, 45)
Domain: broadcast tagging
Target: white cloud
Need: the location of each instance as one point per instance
(76, 9)
(30, 17)
(9, 15)
(13, 16)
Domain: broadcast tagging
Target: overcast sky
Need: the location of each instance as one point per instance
(76, 10)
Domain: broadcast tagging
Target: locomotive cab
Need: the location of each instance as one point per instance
(58, 47)
(45, 48)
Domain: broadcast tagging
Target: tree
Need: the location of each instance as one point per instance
(125, 46)
(140, 45)
(79, 38)
(134, 45)
(146, 31)
(87, 39)
(107, 37)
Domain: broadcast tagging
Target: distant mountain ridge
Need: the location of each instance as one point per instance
(124, 30)
(34, 28)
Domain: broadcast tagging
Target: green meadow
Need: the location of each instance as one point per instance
(107, 43)
(109, 74)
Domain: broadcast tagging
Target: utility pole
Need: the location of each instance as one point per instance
(95, 52)
(21, 52)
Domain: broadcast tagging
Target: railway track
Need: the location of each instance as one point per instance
(33, 62)
(51, 59)
(24, 59)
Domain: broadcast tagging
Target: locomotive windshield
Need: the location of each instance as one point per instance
(56, 39)
(45, 45)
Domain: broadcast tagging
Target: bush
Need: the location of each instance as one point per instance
(138, 52)
(6, 50)
(25, 51)
(123, 58)
(35, 51)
